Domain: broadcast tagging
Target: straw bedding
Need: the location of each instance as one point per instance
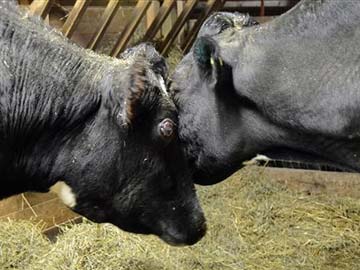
(253, 224)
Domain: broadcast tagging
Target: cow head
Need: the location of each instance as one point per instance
(209, 108)
(255, 90)
(127, 167)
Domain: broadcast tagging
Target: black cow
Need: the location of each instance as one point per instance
(99, 131)
(288, 89)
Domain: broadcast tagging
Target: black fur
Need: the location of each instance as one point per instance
(68, 114)
(291, 87)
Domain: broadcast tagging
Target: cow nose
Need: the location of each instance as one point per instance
(195, 236)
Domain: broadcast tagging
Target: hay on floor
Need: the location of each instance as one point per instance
(253, 224)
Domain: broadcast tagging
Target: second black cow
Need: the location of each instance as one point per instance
(287, 89)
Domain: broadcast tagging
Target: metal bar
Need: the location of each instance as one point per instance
(159, 20)
(106, 18)
(181, 20)
(41, 7)
(211, 6)
(125, 36)
(74, 17)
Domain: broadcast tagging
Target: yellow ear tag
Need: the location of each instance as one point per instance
(212, 61)
(221, 61)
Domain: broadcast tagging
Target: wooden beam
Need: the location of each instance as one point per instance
(41, 7)
(211, 6)
(317, 182)
(159, 20)
(106, 18)
(152, 12)
(125, 36)
(179, 23)
(74, 17)
(262, 8)
(24, 2)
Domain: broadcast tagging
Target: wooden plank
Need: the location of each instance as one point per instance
(211, 6)
(107, 16)
(74, 17)
(24, 2)
(152, 12)
(125, 36)
(181, 20)
(52, 232)
(262, 8)
(41, 7)
(20, 202)
(317, 182)
(51, 212)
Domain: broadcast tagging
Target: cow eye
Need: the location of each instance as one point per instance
(166, 129)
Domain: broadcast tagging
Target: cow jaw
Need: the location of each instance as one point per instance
(65, 193)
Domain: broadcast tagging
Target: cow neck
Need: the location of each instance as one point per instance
(54, 83)
(49, 90)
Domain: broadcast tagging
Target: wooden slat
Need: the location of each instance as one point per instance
(211, 6)
(74, 17)
(262, 8)
(41, 7)
(317, 182)
(152, 12)
(106, 18)
(52, 212)
(135, 19)
(181, 20)
(24, 2)
(160, 18)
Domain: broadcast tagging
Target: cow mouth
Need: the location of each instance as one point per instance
(294, 159)
(175, 237)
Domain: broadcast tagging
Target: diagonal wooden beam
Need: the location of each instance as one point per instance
(24, 2)
(125, 36)
(179, 23)
(211, 6)
(41, 7)
(106, 18)
(74, 17)
(159, 19)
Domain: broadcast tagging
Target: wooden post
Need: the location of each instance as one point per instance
(152, 13)
(139, 12)
(41, 7)
(211, 6)
(181, 20)
(262, 8)
(106, 18)
(24, 2)
(156, 24)
(74, 17)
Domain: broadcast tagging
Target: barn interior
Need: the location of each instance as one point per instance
(259, 218)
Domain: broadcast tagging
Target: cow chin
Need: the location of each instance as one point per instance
(171, 233)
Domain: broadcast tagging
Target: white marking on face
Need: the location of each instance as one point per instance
(65, 193)
(163, 87)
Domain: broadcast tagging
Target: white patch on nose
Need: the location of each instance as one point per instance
(163, 87)
(65, 193)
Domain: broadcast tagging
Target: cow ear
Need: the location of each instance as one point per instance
(136, 91)
(206, 54)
